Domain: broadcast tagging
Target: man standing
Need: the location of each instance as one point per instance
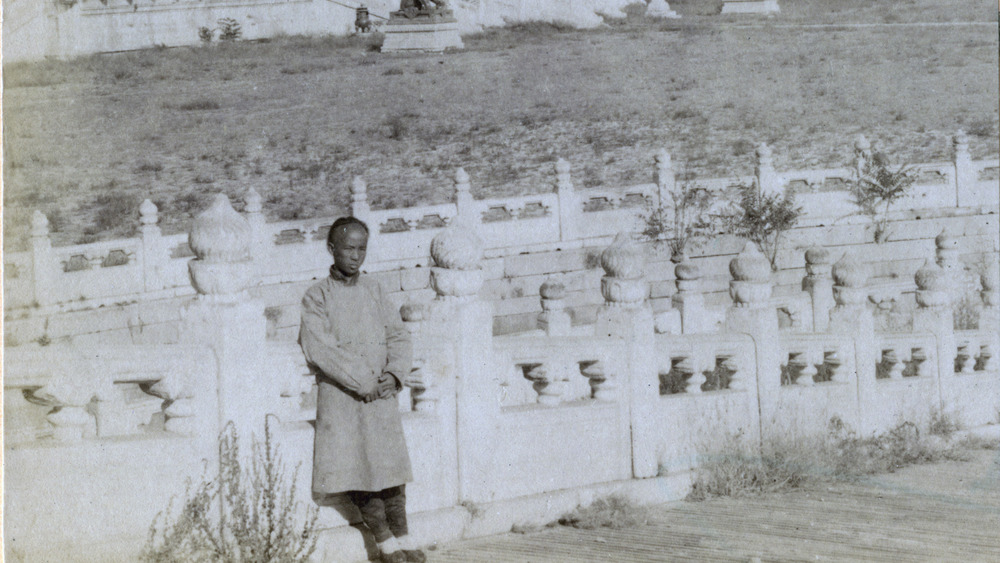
(356, 340)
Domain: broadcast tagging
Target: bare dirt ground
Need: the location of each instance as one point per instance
(86, 140)
(938, 512)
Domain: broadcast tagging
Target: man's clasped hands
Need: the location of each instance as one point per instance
(385, 388)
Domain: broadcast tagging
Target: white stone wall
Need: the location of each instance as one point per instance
(107, 472)
(34, 30)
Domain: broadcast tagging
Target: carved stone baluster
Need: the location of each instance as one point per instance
(965, 359)
(893, 363)
(69, 418)
(553, 319)
(737, 379)
(987, 361)
(919, 358)
(546, 383)
(602, 383)
(696, 365)
(833, 362)
(179, 400)
(807, 368)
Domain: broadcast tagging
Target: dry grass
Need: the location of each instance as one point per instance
(841, 454)
(296, 118)
(614, 511)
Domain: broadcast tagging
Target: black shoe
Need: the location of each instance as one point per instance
(415, 556)
(395, 557)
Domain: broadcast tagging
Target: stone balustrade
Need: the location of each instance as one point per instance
(812, 359)
(154, 265)
(115, 392)
(492, 419)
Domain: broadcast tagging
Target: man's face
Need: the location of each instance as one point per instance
(350, 243)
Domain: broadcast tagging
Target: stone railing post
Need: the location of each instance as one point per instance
(689, 300)
(753, 314)
(947, 254)
(458, 312)
(852, 316)
(425, 391)
(553, 319)
(359, 200)
(225, 317)
(626, 315)
(862, 154)
(965, 174)
(664, 177)
(819, 284)
(43, 264)
(767, 179)
(934, 314)
(260, 249)
(569, 205)
(154, 254)
(464, 203)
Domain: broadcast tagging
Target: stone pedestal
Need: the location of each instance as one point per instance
(750, 7)
(660, 9)
(421, 35)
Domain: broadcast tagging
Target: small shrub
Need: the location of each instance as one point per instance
(394, 71)
(875, 188)
(682, 222)
(615, 511)
(206, 34)
(943, 425)
(229, 29)
(966, 312)
(762, 218)
(243, 514)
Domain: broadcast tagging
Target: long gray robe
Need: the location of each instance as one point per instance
(352, 334)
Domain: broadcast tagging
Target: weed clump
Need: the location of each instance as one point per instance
(243, 514)
(614, 511)
(841, 454)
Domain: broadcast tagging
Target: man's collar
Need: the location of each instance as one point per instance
(344, 279)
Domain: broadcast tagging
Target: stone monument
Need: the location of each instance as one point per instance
(660, 9)
(421, 25)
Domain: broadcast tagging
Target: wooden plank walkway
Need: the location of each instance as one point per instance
(941, 512)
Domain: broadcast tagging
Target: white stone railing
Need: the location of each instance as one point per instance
(906, 355)
(154, 265)
(696, 357)
(811, 359)
(487, 418)
(556, 369)
(976, 351)
(110, 392)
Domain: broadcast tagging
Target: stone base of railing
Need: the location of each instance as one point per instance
(434, 527)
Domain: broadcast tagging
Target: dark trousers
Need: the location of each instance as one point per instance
(384, 512)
